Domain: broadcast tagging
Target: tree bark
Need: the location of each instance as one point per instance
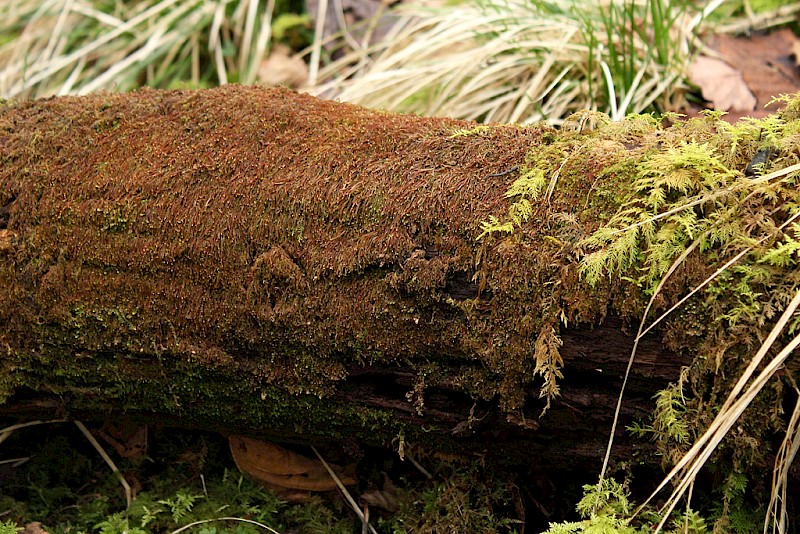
(261, 262)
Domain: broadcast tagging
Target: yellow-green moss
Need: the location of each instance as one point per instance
(614, 207)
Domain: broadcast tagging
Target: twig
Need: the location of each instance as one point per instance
(204, 521)
(418, 466)
(346, 493)
(108, 461)
(7, 431)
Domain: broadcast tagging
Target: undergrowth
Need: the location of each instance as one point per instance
(60, 47)
(188, 479)
(69, 489)
(457, 503)
(522, 62)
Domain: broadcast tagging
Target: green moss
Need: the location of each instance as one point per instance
(683, 201)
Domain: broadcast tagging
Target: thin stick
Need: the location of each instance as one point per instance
(419, 467)
(344, 491)
(108, 460)
(204, 521)
(7, 431)
(618, 409)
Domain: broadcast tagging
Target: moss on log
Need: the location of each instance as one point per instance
(263, 262)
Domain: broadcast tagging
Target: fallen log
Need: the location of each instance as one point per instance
(260, 262)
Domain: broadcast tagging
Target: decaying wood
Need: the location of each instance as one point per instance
(264, 263)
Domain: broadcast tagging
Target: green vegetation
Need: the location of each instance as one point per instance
(495, 60)
(632, 216)
(528, 61)
(523, 62)
(707, 198)
(187, 481)
(66, 48)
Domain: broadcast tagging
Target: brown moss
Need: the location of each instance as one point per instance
(287, 238)
(247, 226)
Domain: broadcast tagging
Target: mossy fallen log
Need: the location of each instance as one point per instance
(264, 263)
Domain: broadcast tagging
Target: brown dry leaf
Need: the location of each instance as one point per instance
(282, 468)
(128, 439)
(721, 84)
(766, 65)
(283, 68)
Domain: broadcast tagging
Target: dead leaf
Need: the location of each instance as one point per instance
(766, 65)
(282, 468)
(721, 84)
(765, 61)
(283, 68)
(128, 439)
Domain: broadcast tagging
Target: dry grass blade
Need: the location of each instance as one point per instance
(716, 273)
(736, 403)
(463, 63)
(769, 19)
(108, 460)
(15, 462)
(316, 50)
(643, 331)
(343, 489)
(777, 513)
(41, 70)
(7, 431)
(706, 197)
(679, 261)
(71, 46)
(239, 519)
(247, 42)
(505, 60)
(689, 466)
(262, 42)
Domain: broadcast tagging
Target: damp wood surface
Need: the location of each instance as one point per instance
(260, 262)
